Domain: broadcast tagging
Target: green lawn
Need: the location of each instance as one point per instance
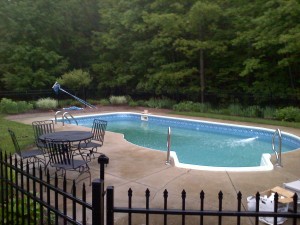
(23, 132)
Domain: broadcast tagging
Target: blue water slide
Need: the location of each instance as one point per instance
(56, 87)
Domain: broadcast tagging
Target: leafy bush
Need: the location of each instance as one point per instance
(163, 103)
(252, 111)
(291, 114)
(235, 110)
(189, 106)
(118, 100)
(133, 103)
(104, 102)
(268, 113)
(11, 107)
(46, 103)
(63, 103)
(33, 212)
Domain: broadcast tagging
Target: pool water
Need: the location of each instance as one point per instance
(197, 143)
(195, 146)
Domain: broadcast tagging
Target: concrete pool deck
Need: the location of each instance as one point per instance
(139, 168)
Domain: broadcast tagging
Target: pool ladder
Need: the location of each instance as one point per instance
(277, 133)
(168, 146)
(65, 116)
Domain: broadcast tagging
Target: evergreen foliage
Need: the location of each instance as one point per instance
(181, 50)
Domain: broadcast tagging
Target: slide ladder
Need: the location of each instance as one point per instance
(56, 87)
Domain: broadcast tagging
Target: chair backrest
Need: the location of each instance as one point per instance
(42, 127)
(15, 142)
(59, 152)
(98, 130)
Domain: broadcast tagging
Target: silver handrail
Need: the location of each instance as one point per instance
(277, 153)
(65, 116)
(168, 146)
(56, 116)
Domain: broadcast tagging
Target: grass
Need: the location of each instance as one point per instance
(24, 134)
(240, 119)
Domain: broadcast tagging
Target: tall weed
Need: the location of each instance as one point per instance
(46, 103)
(118, 100)
(189, 106)
(235, 110)
(162, 103)
(252, 111)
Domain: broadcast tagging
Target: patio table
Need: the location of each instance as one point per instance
(72, 136)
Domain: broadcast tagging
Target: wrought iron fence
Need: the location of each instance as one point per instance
(201, 213)
(28, 197)
(215, 98)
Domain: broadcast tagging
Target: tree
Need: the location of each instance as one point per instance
(75, 79)
(42, 39)
(272, 35)
(203, 18)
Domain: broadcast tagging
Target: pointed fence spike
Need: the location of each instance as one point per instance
(183, 194)
(130, 192)
(165, 193)
(147, 193)
(202, 194)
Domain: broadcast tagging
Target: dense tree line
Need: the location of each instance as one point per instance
(178, 49)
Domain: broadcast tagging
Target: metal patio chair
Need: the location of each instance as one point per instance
(32, 156)
(42, 127)
(63, 157)
(98, 130)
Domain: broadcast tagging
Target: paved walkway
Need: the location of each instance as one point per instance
(138, 168)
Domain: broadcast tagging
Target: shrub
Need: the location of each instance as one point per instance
(65, 103)
(32, 213)
(118, 100)
(235, 110)
(142, 103)
(133, 103)
(252, 111)
(290, 114)
(104, 102)
(11, 107)
(189, 106)
(268, 113)
(46, 103)
(70, 102)
(163, 103)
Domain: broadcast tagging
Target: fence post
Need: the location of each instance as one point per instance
(102, 160)
(110, 205)
(97, 202)
(98, 193)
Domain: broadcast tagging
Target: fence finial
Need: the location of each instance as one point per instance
(102, 160)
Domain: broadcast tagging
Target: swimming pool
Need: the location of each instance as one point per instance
(199, 144)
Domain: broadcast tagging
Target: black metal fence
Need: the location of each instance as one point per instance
(27, 197)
